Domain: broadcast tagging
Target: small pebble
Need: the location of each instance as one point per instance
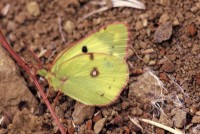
(48, 53)
(192, 30)
(197, 78)
(146, 58)
(145, 22)
(162, 61)
(5, 9)
(137, 71)
(160, 131)
(196, 119)
(99, 125)
(97, 21)
(118, 120)
(152, 62)
(148, 32)
(179, 118)
(11, 26)
(163, 32)
(33, 8)
(105, 112)
(69, 26)
(12, 37)
(176, 22)
(82, 112)
(196, 7)
(136, 111)
(165, 120)
(198, 113)
(168, 66)
(164, 77)
(125, 105)
(20, 18)
(89, 125)
(195, 49)
(138, 25)
(162, 52)
(143, 45)
(164, 2)
(193, 109)
(164, 18)
(148, 51)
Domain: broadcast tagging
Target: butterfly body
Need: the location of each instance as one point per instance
(93, 71)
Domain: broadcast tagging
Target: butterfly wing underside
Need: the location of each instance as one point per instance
(93, 79)
(110, 40)
(93, 71)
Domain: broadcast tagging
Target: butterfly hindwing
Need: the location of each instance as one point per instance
(93, 78)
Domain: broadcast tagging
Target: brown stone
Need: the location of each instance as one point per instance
(163, 76)
(192, 30)
(168, 66)
(12, 85)
(82, 112)
(197, 78)
(163, 32)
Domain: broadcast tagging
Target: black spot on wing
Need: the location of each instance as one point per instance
(84, 49)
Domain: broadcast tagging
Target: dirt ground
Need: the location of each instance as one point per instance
(164, 63)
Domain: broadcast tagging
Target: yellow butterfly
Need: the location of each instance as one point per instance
(94, 70)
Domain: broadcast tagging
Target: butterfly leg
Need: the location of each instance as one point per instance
(36, 57)
(57, 98)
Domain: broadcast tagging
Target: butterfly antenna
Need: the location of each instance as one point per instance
(36, 57)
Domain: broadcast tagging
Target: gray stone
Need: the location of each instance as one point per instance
(179, 118)
(13, 88)
(82, 112)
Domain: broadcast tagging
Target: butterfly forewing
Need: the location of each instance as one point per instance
(111, 40)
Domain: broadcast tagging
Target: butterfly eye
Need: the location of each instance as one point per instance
(84, 49)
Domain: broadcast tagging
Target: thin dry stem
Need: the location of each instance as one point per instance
(174, 82)
(60, 29)
(174, 131)
(136, 53)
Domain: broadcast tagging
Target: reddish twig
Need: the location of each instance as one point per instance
(32, 75)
